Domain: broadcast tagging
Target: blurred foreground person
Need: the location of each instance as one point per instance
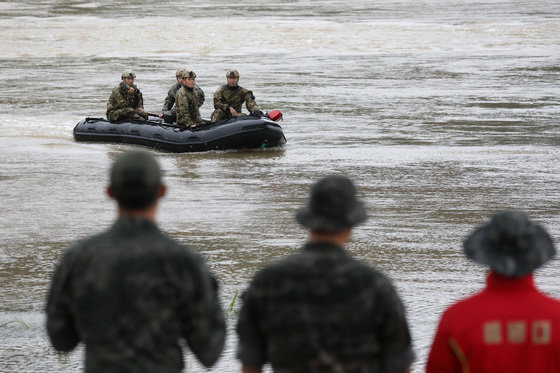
(130, 294)
(126, 101)
(509, 326)
(320, 310)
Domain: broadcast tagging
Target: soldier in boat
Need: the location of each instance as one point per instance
(229, 99)
(126, 100)
(169, 110)
(187, 102)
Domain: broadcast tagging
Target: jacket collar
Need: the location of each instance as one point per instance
(498, 282)
(134, 223)
(324, 247)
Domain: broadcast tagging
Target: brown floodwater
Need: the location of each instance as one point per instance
(441, 116)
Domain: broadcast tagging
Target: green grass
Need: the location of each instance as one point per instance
(232, 304)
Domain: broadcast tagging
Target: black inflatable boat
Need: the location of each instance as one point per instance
(236, 133)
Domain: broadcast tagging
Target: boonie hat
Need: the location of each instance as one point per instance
(510, 243)
(333, 206)
(128, 74)
(135, 177)
(232, 74)
(189, 74)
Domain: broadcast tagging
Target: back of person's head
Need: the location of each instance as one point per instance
(135, 178)
(333, 206)
(510, 243)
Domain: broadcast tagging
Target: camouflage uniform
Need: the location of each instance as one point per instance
(227, 96)
(130, 294)
(169, 110)
(123, 105)
(322, 311)
(187, 104)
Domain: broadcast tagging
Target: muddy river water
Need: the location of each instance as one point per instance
(441, 112)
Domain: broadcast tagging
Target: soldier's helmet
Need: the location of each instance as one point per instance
(128, 74)
(232, 74)
(179, 73)
(189, 74)
(510, 243)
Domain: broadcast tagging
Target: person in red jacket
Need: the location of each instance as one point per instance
(510, 326)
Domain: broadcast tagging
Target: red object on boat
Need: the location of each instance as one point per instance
(275, 115)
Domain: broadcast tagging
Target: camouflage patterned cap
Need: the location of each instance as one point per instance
(333, 206)
(188, 74)
(128, 74)
(135, 178)
(510, 243)
(179, 73)
(232, 74)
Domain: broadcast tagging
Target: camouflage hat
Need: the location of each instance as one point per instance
(232, 74)
(128, 74)
(135, 178)
(179, 73)
(333, 206)
(189, 74)
(510, 243)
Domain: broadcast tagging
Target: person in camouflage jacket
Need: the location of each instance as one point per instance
(229, 99)
(321, 311)
(169, 111)
(186, 101)
(131, 294)
(126, 100)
